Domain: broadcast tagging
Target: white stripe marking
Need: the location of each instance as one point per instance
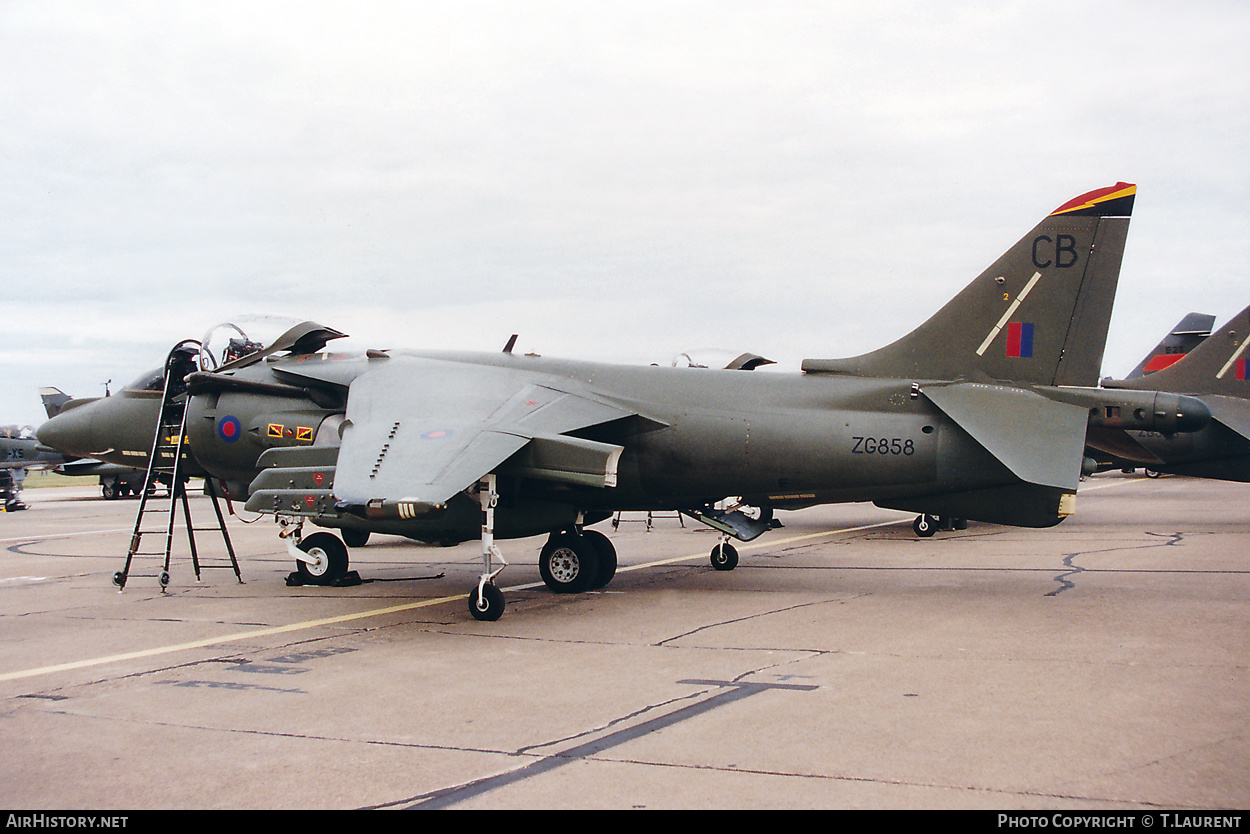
(1007, 315)
(1232, 359)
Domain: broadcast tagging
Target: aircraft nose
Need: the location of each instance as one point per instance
(68, 432)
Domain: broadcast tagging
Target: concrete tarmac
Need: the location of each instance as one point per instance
(1098, 665)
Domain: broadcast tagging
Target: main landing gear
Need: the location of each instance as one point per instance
(927, 525)
(574, 561)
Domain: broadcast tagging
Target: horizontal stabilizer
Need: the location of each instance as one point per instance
(1231, 411)
(1039, 440)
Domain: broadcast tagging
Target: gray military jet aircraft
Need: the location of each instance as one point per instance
(19, 453)
(980, 413)
(1215, 371)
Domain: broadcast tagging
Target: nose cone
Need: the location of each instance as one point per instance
(1192, 414)
(70, 432)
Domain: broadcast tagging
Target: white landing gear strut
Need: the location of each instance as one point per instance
(486, 601)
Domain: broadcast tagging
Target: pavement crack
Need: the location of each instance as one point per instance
(1066, 578)
(754, 616)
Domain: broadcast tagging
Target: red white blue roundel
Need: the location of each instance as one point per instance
(229, 428)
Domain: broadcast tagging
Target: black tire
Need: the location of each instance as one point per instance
(332, 559)
(607, 557)
(568, 563)
(925, 526)
(354, 538)
(109, 490)
(486, 605)
(724, 556)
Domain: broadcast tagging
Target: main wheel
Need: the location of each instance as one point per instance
(568, 563)
(486, 603)
(329, 560)
(925, 526)
(607, 557)
(724, 556)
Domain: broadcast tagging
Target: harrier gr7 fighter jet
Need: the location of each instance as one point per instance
(116, 481)
(980, 413)
(1215, 372)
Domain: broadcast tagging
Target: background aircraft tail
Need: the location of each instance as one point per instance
(1039, 314)
(54, 400)
(1217, 366)
(1188, 333)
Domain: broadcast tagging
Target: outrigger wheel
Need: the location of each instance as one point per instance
(486, 603)
(925, 525)
(329, 559)
(724, 556)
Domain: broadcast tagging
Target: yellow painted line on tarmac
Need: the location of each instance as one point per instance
(374, 612)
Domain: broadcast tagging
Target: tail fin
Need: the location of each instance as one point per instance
(1220, 365)
(54, 399)
(1038, 315)
(1188, 333)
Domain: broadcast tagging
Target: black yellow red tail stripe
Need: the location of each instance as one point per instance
(1113, 201)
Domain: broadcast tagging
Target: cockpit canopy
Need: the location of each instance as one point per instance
(720, 358)
(231, 343)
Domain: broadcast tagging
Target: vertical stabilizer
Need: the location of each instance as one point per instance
(1039, 314)
(1220, 365)
(1188, 333)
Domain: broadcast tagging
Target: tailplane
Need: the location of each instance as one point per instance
(1039, 314)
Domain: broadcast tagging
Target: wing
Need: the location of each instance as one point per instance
(420, 430)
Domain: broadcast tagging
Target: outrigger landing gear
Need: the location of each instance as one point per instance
(724, 555)
(927, 525)
(486, 601)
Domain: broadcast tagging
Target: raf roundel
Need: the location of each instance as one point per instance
(229, 429)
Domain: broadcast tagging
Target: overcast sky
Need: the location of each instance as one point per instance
(619, 181)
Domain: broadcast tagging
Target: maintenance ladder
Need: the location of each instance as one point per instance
(165, 465)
